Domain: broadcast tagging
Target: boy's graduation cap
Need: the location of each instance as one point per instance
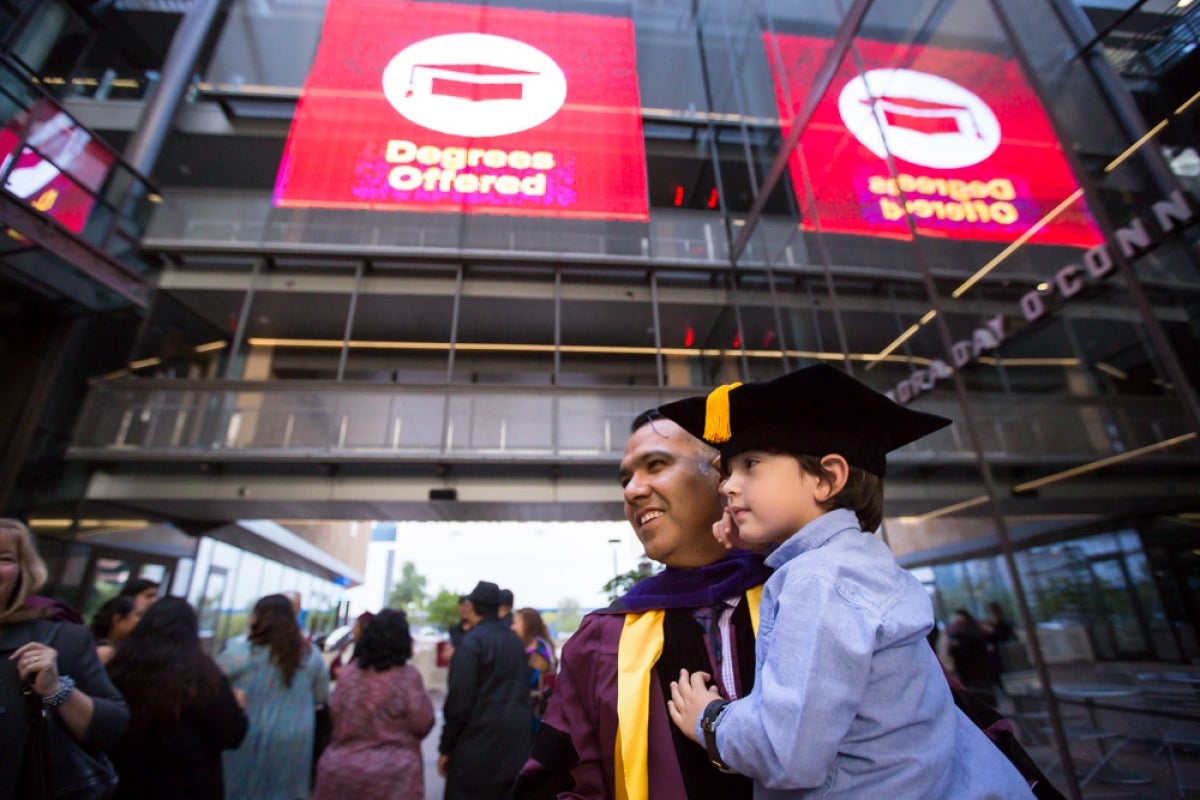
(816, 410)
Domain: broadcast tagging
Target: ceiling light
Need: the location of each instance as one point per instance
(1104, 462)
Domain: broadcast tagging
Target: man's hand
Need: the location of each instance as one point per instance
(442, 761)
(689, 698)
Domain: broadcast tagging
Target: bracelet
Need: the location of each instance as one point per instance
(66, 685)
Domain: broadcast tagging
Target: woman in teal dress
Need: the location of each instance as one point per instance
(284, 679)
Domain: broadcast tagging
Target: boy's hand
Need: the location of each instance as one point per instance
(726, 531)
(689, 698)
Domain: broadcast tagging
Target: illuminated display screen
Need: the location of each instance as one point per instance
(975, 155)
(56, 151)
(469, 109)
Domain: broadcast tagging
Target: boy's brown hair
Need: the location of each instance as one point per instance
(862, 494)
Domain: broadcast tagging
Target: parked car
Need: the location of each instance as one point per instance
(337, 639)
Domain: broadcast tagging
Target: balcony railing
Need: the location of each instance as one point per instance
(215, 220)
(65, 189)
(134, 419)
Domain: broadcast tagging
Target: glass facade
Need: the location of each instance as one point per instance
(986, 209)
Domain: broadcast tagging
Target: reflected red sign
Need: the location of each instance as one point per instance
(469, 109)
(60, 166)
(974, 152)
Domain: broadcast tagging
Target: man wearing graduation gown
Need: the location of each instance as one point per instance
(606, 733)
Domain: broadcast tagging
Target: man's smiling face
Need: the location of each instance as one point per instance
(671, 497)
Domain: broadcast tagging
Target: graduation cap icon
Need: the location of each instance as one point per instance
(474, 82)
(924, 116)
(456, 82)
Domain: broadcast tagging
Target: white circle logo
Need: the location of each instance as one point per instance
(921, 118)
(474, 84)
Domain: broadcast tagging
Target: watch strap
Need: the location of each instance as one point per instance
(708, 724)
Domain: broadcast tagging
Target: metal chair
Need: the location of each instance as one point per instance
(1186, 739)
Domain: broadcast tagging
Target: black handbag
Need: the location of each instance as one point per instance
(56, 766)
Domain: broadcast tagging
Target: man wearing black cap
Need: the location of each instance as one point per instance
(488, 720)
(849, 700)
(700, 613)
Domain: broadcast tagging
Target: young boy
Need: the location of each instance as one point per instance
(848, 699)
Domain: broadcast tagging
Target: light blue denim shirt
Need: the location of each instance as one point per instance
(849, 699)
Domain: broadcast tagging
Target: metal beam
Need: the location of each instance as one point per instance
(817, 89)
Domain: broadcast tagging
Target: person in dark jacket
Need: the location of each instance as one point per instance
(183, 713)
(488, 721)
(57, 659)
(466, 614)
(969, 652)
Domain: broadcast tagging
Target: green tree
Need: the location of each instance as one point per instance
(568, 615)
(443, 609)
(408, 592)
(625, 581)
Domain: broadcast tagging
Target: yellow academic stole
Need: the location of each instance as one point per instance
(640, 646)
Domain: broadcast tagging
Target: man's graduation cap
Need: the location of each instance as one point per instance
(816, 410)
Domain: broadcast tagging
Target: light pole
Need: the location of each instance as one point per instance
(615, 544)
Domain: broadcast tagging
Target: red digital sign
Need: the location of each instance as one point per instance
(975, 155)
(59, 167)
(469, 109)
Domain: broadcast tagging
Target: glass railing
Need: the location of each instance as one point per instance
(212, 219)
(56, 167)
(238, 420)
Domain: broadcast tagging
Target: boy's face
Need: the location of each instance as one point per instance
(671, 497)
(769, 496)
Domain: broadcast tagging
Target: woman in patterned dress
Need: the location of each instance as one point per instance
(381, 712)
(283, 678)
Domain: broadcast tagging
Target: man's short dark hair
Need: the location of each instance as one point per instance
(644, 418)
(137, 586)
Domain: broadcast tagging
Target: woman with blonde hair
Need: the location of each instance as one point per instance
(56, 660)
(283, 679)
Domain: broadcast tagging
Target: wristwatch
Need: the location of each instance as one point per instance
(708, 724)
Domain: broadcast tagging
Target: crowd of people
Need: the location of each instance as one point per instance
(781, 652)
(142, 711)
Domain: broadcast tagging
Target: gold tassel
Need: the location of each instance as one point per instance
(716, 414)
